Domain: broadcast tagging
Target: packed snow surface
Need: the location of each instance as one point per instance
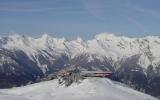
(88, 89)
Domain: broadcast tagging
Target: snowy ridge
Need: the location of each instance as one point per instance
(103, 45)
(88, 89)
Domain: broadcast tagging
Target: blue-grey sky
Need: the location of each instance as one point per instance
(85, 18)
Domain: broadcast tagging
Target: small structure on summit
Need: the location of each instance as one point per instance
(96, 73)
(67, 77)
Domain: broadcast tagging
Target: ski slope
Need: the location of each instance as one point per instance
(88, 89)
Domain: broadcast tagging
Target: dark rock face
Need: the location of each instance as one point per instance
(17, 69)
(131, 73)
(138, 78)
(153, 86)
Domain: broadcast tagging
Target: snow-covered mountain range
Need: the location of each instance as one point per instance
(134, 61)
(88, 89)
(103, 45)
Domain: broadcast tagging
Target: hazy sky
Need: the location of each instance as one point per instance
(85, 18)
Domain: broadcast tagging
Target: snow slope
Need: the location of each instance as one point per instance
(88, 89)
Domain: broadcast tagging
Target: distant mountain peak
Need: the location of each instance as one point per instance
(105, 36)
(79, 39)
(45, 36)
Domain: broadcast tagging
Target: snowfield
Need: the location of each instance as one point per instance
(88, 89)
